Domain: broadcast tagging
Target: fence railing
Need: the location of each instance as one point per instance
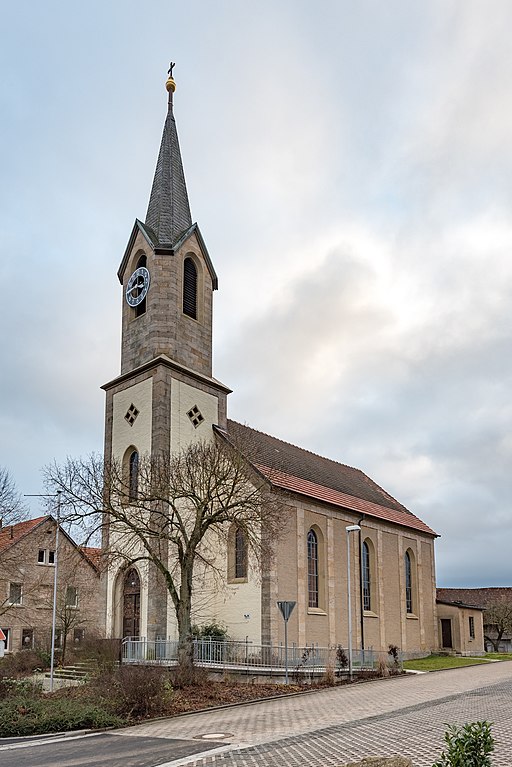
(244, 656)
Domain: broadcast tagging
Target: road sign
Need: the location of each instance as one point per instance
(2, 636)
(286, 608)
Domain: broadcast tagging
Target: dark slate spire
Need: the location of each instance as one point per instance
(168, 211)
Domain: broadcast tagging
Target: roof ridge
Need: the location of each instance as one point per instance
(303, 449)
(368, 480)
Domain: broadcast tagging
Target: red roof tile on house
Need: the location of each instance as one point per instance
(478, 597)
(93, 555)
(297, 470)
(12, 533)
(326, 494)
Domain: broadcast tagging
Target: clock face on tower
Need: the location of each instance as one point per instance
(138, 286)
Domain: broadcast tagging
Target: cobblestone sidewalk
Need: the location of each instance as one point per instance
(330, 727)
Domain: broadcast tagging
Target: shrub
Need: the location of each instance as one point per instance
(26, 714)
(214, 630)
(468, 746)
(134, 691)
(341, 658)
(21, 663)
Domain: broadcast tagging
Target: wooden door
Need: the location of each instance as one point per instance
(446, 633)
(131, 604)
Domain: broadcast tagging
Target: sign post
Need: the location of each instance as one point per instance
(286, 609)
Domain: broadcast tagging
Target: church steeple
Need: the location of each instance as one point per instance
(168, 213)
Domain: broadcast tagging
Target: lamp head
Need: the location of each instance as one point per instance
(352, 528)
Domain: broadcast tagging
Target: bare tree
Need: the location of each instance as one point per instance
(498, 620)
(12, 507)
(175, 516)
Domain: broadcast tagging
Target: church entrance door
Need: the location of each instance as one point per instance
(131, 604)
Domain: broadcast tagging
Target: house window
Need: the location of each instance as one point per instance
(408, 582)
(471, 627)
(7, 634)
(51, 557)
(312, 569)
(15, 593)
(41, 556)
(27, 639)
(78, 636)
(367, 598)
(71, 596)
(240, 554)
(190, 288)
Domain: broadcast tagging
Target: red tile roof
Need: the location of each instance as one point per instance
(478, 597)
(328, 495)
(297, 470)
(12, 533)
(93, 555)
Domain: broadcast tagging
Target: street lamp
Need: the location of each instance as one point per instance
(55, 577)
(350, 529)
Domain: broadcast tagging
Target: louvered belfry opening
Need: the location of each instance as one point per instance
(190, 288)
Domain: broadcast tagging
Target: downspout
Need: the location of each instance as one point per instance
(361, 600)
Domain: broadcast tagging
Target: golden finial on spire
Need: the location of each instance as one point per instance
(170, 85)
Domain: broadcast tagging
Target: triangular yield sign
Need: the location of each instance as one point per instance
(2, 636)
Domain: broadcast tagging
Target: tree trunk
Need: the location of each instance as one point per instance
(185, 671)
(64, 643)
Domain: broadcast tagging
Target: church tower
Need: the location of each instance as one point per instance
(165, 396)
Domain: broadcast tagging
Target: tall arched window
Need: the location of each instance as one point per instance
(367, 584)
(240, 553)
(190, 288)
(133, 476)
(312, 569)
(408, 582)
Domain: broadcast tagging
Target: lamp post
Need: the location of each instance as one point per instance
(55, 574)
(350, 529)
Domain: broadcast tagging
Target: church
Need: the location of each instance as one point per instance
(343, 532)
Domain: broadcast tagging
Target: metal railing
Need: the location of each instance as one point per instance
(244, 657)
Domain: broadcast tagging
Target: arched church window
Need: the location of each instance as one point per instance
(133, 476)
(190, 288)
(240, 553)
(312, 569)
(367, 593)
(409, 586)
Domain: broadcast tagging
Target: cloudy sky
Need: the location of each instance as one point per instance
(350, 166)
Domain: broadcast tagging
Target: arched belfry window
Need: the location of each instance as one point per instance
(133, 476)
(367, 583)
(140, 309)
(190, 288)
(312, 569)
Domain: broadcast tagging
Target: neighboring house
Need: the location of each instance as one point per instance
(166, 397)
(461, 627)
(497, 616)
(27, 569)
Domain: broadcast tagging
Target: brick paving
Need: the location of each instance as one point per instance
(327, 728)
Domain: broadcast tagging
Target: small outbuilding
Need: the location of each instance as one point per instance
(461, 627)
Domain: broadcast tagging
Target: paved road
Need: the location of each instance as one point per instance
(325, 728)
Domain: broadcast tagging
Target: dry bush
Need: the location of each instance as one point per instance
(22, 663)
(329, 676)
(382, 668)
(134, 691)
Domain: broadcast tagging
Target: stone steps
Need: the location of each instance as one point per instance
(78, 671)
